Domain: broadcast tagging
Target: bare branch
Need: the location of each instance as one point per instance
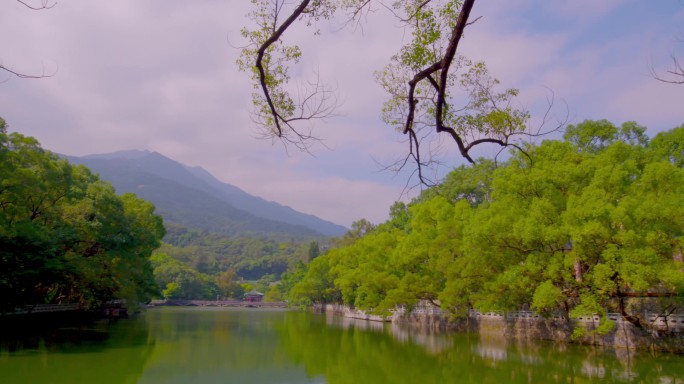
(677, 73)
(357, 13)
(474, 21)
(24, 75)
(45, 4)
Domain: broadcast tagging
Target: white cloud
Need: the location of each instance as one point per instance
(161, 75)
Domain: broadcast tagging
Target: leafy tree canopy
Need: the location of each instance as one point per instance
(588, 225)
(65, 236)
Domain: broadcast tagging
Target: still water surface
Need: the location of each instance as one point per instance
(216, 345)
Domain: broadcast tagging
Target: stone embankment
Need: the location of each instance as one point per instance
(660, 333)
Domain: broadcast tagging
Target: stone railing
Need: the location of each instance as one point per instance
(46, 308)
(673, 322)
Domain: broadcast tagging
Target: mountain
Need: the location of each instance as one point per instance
(193, 198)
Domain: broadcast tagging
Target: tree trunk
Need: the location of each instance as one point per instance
(578, 270)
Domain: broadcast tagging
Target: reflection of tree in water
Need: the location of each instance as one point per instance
(180, 345)
(206, 345)
(348, 352)
(207, 339)
(100, 352)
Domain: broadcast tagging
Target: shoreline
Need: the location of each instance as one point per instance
(522, 328)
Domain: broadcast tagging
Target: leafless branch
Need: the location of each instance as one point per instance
(357, 13)
(474, 21)
(21, 75)
(560, 123)
(677, 73)
(45, 4)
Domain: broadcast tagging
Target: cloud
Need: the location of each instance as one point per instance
(161, 75)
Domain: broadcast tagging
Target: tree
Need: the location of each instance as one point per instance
(264, 283)
(359, 229)
(585, 226)
(425, 80)
(314, 250)
(595, 135)
(226, 279)
(65, 236)
(185, 283)
(228, 284)
(670, 146)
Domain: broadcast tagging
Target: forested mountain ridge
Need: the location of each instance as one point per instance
(192, 197)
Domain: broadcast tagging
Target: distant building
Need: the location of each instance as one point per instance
(254, 296)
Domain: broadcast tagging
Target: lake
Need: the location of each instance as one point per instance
(248, 345)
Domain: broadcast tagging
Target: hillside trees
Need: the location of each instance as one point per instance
(251, 258)
(203, 266)
(178, 281)
(590, 224)
(65, 236)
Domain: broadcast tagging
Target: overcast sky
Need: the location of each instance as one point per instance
(161, 75)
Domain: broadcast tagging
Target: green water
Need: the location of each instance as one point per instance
(191, 345)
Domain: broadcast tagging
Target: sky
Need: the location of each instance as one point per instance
(160, 75)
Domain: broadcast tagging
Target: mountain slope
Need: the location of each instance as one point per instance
(267, 209)
(192, 197)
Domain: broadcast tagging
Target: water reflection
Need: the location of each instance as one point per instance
(186, 345)
(100, 352)
(218, 345)
(491, 350)
(348, 350)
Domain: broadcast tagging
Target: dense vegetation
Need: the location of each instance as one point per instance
(584, 225)
(65, 236)
(194, 264)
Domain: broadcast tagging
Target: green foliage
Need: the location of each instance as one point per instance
(65, 236)
(283, 290)
(172, 291)
(250, 258)
(469, 183)
(670, 146)
(359, 229)
(184, 282)
(314, 250)
(228, 285)
(264, 283)
(205, 265)
(546, 296)
(581, 227)
(593, 135)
